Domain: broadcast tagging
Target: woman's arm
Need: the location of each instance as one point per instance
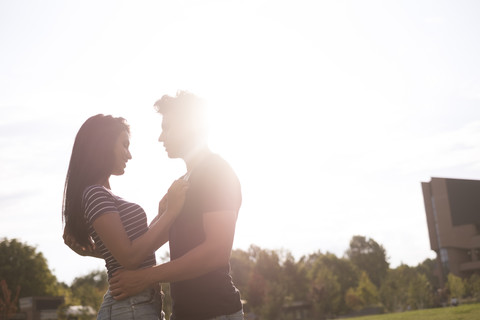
(128, 253)
(162, 207)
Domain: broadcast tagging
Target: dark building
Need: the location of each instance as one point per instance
(452, 207)
(48, 308)
(40, 308)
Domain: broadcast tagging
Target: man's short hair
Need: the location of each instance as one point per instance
(185, 109)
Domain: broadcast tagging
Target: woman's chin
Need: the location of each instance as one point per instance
(118, 172)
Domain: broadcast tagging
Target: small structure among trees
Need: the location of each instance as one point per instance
(40, 308)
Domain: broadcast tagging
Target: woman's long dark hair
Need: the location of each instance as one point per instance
(91, 163)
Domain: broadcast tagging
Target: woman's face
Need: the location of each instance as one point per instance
(121, 154)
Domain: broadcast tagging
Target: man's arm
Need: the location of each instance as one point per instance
(213, 253)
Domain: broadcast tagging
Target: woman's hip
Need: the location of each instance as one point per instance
(144, 305)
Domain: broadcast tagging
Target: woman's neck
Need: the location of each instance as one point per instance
(105, 183)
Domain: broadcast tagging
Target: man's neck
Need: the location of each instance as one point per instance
(196, 156)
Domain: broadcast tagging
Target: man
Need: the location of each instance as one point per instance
(201, 238)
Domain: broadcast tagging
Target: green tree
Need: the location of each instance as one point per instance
(294, 279)
(394, 289)
(456, 286)
(367, 291)
(267, 263)
(473, 286)
(265, 292)
(420, 293)
(346, 273)
(256, 291)
(269, 280)
(88, 290)
(428, 267)
(22, 266)
(391, 294)
(353, 300)
(273, 301)
(370, 257)
(325, 293)
(65, 291)
(342, 270)
(364, 295)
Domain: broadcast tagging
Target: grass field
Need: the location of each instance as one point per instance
(462, 312)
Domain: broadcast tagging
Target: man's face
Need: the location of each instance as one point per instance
(173, 137)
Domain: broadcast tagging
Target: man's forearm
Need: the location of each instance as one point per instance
(213, 253)
(193, 264)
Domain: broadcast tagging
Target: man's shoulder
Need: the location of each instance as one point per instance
(214, 164)
(214, 159)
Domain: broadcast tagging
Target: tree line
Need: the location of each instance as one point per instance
(326, 286)
(273, 284)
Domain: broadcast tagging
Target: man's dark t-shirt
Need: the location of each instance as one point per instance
(213, 186)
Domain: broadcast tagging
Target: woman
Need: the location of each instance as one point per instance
(99, 223)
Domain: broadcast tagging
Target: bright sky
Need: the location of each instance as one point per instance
(331, 112)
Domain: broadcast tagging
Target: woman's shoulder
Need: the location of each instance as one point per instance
(98, 190)
(98, 200)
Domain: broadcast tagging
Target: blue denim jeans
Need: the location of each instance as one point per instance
(234, 316)
(144, 305)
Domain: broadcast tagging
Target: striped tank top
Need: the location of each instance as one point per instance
(98, 200)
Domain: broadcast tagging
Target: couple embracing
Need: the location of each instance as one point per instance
(196, 217)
